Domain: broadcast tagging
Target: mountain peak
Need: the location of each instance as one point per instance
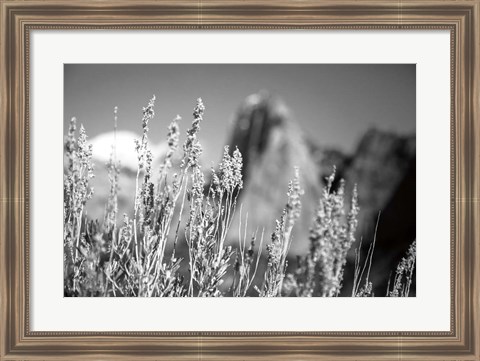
(272, 146)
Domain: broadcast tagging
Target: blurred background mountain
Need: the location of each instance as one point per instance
(382, 166)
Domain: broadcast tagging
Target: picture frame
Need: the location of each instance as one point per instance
(19, 18)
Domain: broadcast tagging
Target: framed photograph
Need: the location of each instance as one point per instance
(241, 180)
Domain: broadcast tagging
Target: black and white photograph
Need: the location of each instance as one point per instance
(239, 180)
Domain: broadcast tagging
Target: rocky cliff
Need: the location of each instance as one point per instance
(382, 166)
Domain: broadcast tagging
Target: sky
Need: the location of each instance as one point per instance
(334, 104)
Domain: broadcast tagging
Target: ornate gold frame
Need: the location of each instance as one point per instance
(19, 17)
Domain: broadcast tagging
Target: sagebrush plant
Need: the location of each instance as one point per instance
(404, 274)
(280, 242)
(320, 272)
(173, 204)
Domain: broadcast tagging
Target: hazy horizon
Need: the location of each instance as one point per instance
(334, 104)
